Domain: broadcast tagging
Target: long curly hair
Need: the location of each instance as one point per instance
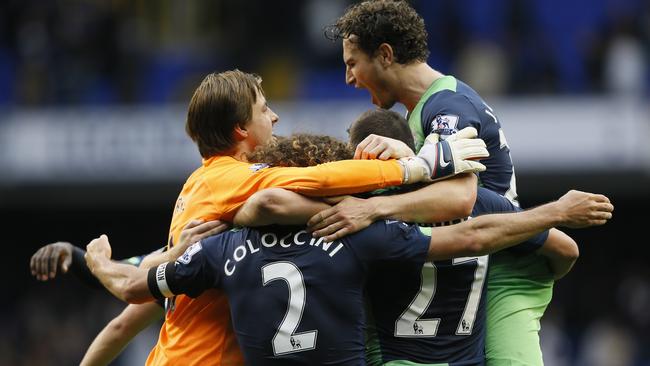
(384, 21)
(301, 150)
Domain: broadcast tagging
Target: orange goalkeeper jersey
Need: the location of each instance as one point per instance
(197, 331)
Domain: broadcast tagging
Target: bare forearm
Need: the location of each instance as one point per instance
(278, 206)
(442, 201)
(496, 232)
(119, 332)
(491, 233)
(109, 343)
(126, 282)
(104, 348)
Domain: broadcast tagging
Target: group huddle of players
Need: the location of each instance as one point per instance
(402, 273)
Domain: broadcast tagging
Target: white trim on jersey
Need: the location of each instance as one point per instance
(161, 281)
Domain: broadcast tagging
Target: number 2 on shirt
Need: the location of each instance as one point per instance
(286, 340)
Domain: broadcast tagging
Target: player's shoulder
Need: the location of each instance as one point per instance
(383, 230)
(213, 251)
(388, 239)
(391, 225)
(461, 95)
(464, 89)
(234, 235)
(217, 246)
(443, 97)
(449, 107)
(210, 167)
(228, 167)
(194, 179)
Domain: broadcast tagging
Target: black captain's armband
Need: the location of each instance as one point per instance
(157, 278)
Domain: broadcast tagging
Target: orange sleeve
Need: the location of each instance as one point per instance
(336, 178)
(330, 179)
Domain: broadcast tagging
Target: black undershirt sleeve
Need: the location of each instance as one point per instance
(81, 270)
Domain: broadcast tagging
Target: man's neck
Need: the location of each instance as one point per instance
(414, 80)
(241, 156)
(239, 152)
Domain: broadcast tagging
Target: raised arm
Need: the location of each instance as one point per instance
(63, 257)
(127, 283)
(59, 257)
(561, 252)
(119, 332)
(437, 161)
(490, 233)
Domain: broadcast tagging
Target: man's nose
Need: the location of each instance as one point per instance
(274, 117)
(349, 78)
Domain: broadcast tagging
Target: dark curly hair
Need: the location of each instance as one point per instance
(384, 21)
(301, 150)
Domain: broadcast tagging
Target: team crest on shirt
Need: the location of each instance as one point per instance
(180, 205)
(187, 256)
(257, 167)
(444, 124)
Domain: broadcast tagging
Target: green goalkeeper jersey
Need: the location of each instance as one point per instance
(520, 288)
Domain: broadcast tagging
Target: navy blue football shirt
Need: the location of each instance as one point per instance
(292, 298)
(434, 312)
(449, 105)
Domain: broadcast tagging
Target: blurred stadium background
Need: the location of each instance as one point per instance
(92, 108)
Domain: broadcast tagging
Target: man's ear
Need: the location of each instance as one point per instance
(240, 132)
(385, 54)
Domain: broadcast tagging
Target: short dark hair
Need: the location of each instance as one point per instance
(384, 21)
(222, 101)
(301, 150)
(381, 122)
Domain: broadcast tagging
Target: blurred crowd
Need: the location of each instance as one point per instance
(115, 52)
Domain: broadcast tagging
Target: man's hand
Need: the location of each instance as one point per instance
(196, 230)
(350, 215)
(128, 283)
(582, 209)
(443, 159)
(47, 261)
(98, 250)
(382, 148)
